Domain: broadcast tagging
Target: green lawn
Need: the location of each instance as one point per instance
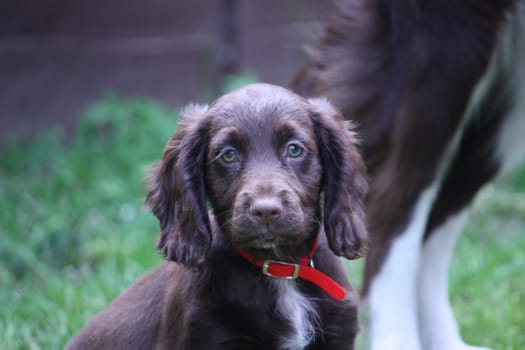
(74, 233)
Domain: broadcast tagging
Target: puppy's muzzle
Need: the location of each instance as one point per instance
(267, 210)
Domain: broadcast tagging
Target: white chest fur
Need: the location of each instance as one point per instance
(300, 312)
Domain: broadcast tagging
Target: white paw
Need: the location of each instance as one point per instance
(454, 346)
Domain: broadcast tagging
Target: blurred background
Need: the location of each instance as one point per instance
(89, 95)
(58, 56)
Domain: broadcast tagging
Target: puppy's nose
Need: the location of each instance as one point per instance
(266, 209)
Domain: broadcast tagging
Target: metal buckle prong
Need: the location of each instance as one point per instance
(266, 266)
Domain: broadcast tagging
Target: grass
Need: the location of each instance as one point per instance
(488, 273)
(73, 230)
(74, 233)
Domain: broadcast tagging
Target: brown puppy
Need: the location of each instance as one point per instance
(284, 181)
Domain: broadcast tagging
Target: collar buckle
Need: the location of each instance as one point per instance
(285, 275)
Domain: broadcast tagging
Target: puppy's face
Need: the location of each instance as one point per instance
(263, 158)
(263, 170)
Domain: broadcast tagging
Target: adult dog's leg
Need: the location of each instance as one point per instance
(491, 145)
(392, 297)
(438, 327)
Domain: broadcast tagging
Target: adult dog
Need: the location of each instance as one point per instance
(437, 89)
(261, 271)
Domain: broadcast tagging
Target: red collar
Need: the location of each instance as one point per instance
(303, 269)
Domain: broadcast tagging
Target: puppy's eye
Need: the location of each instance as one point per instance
(294, 150)
(230, 155)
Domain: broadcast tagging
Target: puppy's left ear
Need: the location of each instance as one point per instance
(344, 182)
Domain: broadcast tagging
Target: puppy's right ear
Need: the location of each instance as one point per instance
(177, 194)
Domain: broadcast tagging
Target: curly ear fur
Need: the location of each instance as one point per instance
(344, 181)
(177, 194)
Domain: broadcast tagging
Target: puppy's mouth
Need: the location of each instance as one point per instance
(276, 247)
(265, 242)
(268, 242)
